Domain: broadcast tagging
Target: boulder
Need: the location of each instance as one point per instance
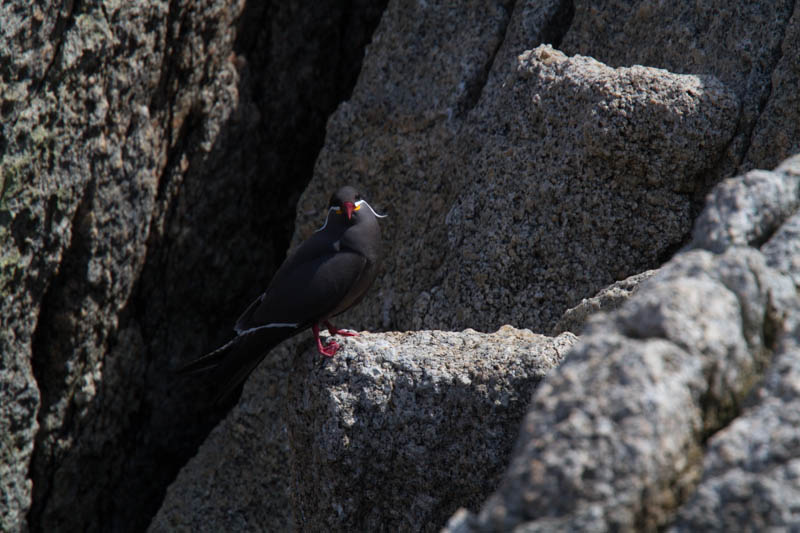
(399, 429)
(375, 434)
(677, 409)
(746, 46)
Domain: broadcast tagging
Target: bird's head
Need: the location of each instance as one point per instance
(345, 201)
(344, 204)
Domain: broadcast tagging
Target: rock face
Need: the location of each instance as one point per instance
(239, 480)
(594, 160)
(560, 164)
(132, 140)
(151, 160)
(85, 134)
(378, 432)
(677, 409)
(740, 47)
(608, 299)
(578, 173)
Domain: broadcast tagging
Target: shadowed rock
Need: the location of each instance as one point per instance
(399, 429)
(377, 433)
(152, 154)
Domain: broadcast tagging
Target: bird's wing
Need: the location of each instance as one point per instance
(308, 292)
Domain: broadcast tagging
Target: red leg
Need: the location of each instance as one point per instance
(328, 350)
(333, 331)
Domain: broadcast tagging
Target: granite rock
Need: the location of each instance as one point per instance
(608, 299)
(133, 138)
(676, 409)
(751, 469)
(744, 45)
(777, 131)
(239, 480)
(399, 429)
(423, 71)
(747, 210)
(426, 152)
(434, 102)
(391, 407)
(80, 151)
(782, 250)
(565, 176)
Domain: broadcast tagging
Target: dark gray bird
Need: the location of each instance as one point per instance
(328, 273)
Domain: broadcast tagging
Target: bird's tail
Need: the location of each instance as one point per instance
(233, 362)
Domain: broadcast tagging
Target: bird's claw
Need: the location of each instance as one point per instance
(330, 349)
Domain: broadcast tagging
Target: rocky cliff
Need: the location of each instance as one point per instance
(534, 158)
(145, 146)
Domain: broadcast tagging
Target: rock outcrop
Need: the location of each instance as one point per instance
(401, 427)
(577, 173)
(677, 409)
(146, 189)
(377, 434)
(744, 48)
(529, 154)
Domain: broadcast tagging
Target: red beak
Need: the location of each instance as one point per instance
(349, 207)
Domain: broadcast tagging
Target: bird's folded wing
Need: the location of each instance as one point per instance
(309, 291)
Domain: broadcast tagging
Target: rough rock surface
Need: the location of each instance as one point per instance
(747, 210)
(133, 138)
(239, 480)
(679, 404)
(87, 122)
(777, 131)
(608, 299)
(783, 248)
(423, 71)
(151, 156)
(573, 163)
(239, 477)
(740, 44)
(751, 469)
(427, 80)
(399, 429)
(562, 165)
(417, 387)
(407, 143)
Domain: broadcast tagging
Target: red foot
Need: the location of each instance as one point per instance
(333, 331)
(330, 349)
